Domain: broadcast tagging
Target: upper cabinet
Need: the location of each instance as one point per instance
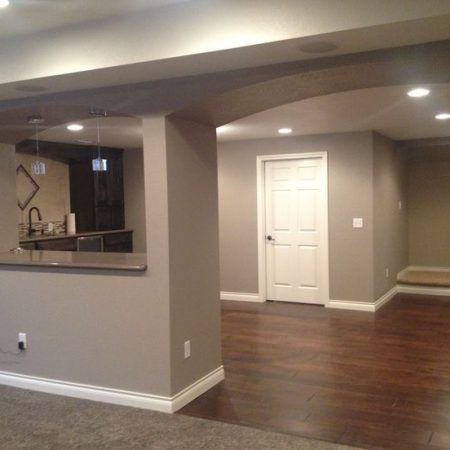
(97, 198)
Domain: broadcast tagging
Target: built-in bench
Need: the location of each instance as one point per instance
(425, 277)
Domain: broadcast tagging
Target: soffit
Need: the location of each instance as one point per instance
(202, 37)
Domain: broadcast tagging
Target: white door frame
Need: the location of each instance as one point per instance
(260, 188)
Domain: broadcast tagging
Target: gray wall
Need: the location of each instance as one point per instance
(429, 211)
(134, 196)
(9, 235)
(390, 222)
(350, 173)
(97, 327)
(194, 250)
(122, 330)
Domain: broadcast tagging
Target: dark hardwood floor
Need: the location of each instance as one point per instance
(374, 380)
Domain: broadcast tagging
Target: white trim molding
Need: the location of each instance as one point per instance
(363, 306)
(241, 297)
(197, 388)
(422, 290)
(260, 200)
(426, 269)
(115, 396)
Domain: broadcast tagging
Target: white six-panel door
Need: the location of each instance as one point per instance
(296, 227)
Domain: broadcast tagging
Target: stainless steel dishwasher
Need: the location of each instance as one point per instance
(90, 244)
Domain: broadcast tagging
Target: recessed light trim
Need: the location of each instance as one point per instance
(442, 116)
(285, 130)
(418, 92)
(4, 3)
(75, 127)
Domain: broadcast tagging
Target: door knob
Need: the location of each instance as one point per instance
(270, 238)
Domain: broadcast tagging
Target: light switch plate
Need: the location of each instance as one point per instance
(357, 222)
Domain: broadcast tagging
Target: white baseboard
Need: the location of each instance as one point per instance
(361, 306)
(423, 290)
(115, 396)
(350, 305)
(240, 296)
(385, 298)
(198, 388)
(427, 268)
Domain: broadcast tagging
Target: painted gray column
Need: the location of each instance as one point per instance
(194, 250)
(9, 235)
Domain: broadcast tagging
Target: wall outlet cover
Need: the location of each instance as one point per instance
(358, 222)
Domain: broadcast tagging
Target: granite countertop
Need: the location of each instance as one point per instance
(49, 237)
(76, 260)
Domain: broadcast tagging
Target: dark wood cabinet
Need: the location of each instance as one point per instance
(67, 244)
(97, 198)
(28, 246)
(116, 241)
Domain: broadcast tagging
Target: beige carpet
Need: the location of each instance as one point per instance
(34, 421)
(434, 278)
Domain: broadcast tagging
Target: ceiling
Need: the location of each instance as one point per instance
(190, 38)
(387, 110)
(118, 132)
(34, 16)
(383, 109)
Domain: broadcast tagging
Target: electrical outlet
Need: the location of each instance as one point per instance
(387, 272)
(187, 349)
(400, 204)
(358, 222)
(22, 341)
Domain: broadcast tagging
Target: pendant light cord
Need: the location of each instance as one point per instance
(37, 141)
(98, 138)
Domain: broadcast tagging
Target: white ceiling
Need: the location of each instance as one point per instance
(33, 16)
(387, 110)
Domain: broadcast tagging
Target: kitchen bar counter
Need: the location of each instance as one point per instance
(50, 237)
(76, 260)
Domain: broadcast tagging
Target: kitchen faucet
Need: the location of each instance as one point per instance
(30, 228)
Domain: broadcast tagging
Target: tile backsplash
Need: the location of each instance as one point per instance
(59, 227)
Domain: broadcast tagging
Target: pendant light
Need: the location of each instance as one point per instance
(98, 164)
(37, 166)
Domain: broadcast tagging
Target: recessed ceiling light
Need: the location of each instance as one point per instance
(4, 3)
(285, 130)
(442, 116)
(75, 127)
(418, 92)
(318, 47)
